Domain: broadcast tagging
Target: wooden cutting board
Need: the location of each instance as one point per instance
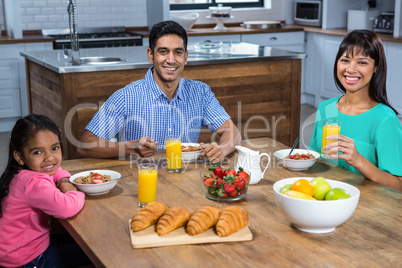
(148, 237)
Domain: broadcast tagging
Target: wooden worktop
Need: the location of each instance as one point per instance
(370, 238)
(29, 37)
(200, 30)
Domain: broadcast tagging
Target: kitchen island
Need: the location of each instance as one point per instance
(258, 86)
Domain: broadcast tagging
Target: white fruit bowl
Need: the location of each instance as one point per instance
(188, 157)
(187, 20)
(296, 165)
(96, 189)
(316, 216)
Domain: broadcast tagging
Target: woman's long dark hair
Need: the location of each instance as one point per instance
(24, 129)
(369, 44)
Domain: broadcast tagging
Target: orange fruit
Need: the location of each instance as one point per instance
(303, 186)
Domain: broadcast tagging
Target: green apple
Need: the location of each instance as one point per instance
(321, 187)
(336, 194)
(286, 188)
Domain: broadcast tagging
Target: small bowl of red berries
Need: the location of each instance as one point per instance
(222, 184)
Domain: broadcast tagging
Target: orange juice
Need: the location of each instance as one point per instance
(147, 179)
(173, 155)
(331, 127)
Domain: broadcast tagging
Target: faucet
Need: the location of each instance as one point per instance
(75, 53)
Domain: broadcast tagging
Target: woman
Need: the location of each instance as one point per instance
(370, 140)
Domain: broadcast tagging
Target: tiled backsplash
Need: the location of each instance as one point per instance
(51, 14)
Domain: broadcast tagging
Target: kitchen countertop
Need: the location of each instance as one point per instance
(26, 38)
(199, 30)
(36, 36)
(136, 57)
(343, 32)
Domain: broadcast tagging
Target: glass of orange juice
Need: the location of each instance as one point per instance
(173, 153)
(147, 178)
(331, 127)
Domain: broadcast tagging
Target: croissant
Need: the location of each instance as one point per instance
(173, 218)
(231, 219)
(147, 215)
(202, 219)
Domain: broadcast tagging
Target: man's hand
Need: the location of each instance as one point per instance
(229, 137)
(95, 147)
(147, 146)
(212, 152)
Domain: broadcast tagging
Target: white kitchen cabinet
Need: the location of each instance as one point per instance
(318, 81)
(293, 41)
(10, 101)
(394, 77)
(13, 93)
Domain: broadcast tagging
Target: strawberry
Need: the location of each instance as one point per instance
(217, 169)
(208, 182)
(233, 194)
(233, 172)
(219, 182)
(96, 180)
(96, 176)
(229, 188)
(243, 174)
(239, 182)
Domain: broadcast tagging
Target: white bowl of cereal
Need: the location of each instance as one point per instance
(95, 182)
(300, 159)
(190, 152)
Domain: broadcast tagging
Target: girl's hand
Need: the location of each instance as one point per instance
(65, 185)
(346, 146)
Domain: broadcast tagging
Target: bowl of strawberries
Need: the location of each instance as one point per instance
(221, 184)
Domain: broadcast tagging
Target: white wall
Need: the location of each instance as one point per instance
(51, 14)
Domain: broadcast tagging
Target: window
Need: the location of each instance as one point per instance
(204, 4)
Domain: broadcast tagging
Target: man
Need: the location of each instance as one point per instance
(144, 112)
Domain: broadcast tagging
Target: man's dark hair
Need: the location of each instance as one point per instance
(166, 27)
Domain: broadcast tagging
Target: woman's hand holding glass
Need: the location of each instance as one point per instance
(344, 145)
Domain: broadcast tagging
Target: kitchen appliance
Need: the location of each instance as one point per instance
(361, 19)
(96, 37)
(308, 13)
(384, 23)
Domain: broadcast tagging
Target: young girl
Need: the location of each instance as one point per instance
(371, 135)
(33, 187)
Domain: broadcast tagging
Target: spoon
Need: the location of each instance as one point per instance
(124, 177)
(294, 145)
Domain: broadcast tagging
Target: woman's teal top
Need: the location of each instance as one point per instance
(377, 134)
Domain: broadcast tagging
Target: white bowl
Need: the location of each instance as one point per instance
(96, 189)
(319, 216)
(188, 157)
(296, 165)
(187, 20)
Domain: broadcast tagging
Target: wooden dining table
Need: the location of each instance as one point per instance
(371, 237)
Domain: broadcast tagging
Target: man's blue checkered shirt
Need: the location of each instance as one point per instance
(141, 109)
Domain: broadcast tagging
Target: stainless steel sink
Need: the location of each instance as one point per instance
(101, 60)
